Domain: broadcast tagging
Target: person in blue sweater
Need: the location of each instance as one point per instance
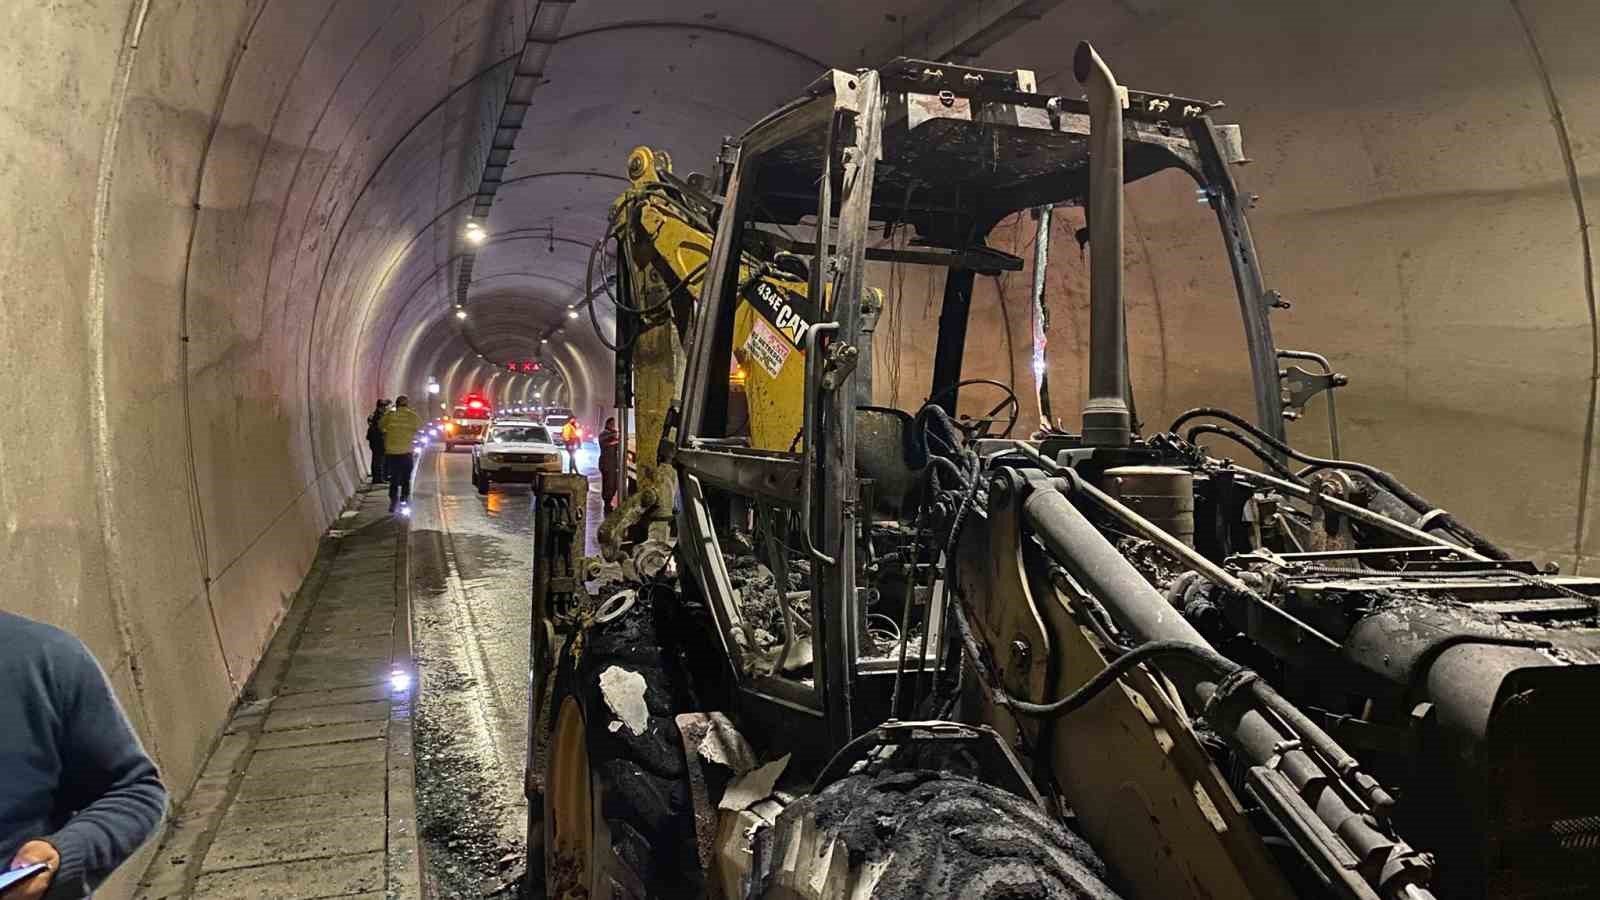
(77, 791)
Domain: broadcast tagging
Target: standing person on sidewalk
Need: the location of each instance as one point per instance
(375, 439)
(399, 426)
(77, 792)
(610, 446)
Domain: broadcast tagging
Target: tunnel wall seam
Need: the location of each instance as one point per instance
(1558, 122)
(353, 454)
(100, 421)
(706, 26)
(185, 382)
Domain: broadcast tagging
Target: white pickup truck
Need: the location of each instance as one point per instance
(514, 450)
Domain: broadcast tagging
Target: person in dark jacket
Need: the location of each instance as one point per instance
(77, 791)
(610, 446)
(375, 440)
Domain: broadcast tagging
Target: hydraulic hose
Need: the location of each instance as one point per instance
(1119, 667)
(1228, 671)
(1245, 442)
(1422, 507)
(590, 292)
(948, 433)
(628, 209)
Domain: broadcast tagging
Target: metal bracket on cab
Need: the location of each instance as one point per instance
(1297, 386)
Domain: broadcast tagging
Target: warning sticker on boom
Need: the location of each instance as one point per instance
(767, 347)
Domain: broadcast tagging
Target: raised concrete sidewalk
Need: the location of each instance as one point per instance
(310, 791)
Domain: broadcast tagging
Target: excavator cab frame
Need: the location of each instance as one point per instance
(949, 151)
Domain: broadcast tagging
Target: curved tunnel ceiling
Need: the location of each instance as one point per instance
(611, 81)
(232, 225)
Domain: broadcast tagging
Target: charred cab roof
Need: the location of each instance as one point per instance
(964, 147)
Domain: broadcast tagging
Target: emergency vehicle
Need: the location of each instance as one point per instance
(471, 417)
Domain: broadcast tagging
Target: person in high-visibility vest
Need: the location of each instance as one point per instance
(399, 426)
(570, 437)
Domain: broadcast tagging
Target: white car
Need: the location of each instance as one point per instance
(514, 450)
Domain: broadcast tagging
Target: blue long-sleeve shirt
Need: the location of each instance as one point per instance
(72, 771)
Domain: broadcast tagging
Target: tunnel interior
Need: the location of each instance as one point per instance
(232, 227)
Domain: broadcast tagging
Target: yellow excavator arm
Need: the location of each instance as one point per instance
(663, 234)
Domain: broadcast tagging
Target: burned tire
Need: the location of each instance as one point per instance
(619, 694)
(920, 833)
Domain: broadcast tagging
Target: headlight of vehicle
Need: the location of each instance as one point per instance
(493, 457)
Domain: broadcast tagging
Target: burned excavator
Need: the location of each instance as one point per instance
(833, 649)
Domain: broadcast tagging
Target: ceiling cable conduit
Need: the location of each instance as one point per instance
(544, 29)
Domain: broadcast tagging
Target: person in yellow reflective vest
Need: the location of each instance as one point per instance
(570, 438)
(399, 427)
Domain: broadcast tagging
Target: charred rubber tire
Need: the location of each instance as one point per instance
(920, 833)
(627, 687)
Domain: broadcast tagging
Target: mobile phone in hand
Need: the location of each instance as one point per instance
(7, 879)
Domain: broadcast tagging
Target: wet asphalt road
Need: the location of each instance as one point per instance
(471, 565)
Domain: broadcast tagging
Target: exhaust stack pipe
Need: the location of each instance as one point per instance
(1106, 420)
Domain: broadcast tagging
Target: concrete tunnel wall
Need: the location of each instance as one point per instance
(229, 226)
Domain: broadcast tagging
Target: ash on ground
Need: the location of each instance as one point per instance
(461, 813)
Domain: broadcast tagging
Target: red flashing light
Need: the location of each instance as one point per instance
(474, 404)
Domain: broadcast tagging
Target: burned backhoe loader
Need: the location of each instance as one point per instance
(902, 653)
